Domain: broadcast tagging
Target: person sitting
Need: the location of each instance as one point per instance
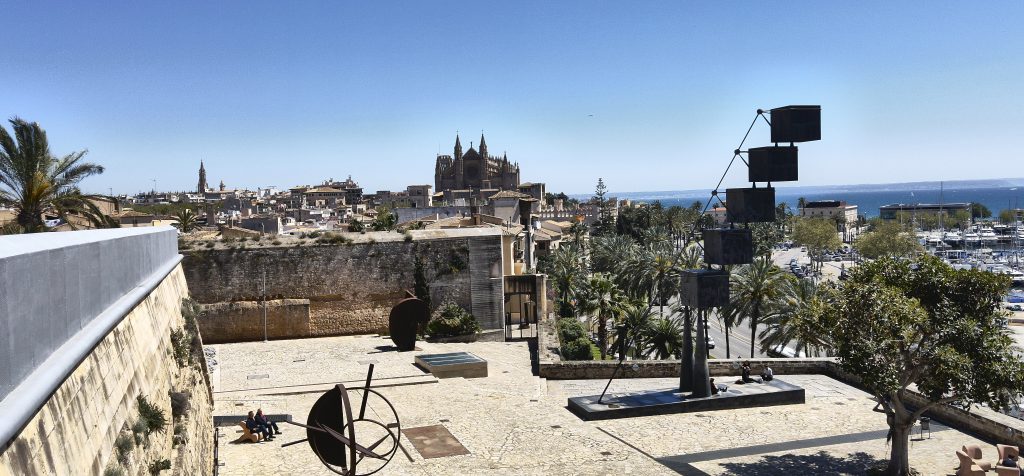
(262, 420)
(745, 378)
(767, 375)
(258, 428)
(714, 388)
(1008, 462)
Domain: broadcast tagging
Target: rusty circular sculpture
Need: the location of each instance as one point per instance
(404, 321)
(340, 437)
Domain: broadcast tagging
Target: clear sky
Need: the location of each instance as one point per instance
(647, 95)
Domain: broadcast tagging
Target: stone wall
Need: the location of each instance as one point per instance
(351, 287)
(74, 432)
(242, 321)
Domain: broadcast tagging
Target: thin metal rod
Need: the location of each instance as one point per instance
(366, 395)
(295, 442)
(622, 358)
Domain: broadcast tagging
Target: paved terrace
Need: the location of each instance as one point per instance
(516, 424)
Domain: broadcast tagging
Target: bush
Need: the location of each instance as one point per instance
(180, 343)
(123, 446)
(179, 404)
(275, 242)
(452, 321)
(570, 329)
(210, 244)
(159, 465)
(139, 432)
(578, 349)
(332, 239)
(314, 234)
(152, 416)
(408, 237)
(113, 471)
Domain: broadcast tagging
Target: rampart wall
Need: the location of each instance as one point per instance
(351, 286)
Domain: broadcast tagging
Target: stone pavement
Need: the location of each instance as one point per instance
(514, 423)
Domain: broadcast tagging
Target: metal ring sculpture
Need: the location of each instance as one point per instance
(331, 431)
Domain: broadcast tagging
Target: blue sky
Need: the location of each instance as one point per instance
(647, 95)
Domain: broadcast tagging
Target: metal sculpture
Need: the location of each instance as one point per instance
(331, 430)
(772, 164)
(405, 320)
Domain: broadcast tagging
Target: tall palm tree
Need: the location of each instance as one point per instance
(755, 289)
(608, 252)
(649, 272)
(729, 317)
(568, 275)
(795, 321)
(605, 301)
(34, 182)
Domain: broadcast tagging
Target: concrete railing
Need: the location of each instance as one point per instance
(60, 294)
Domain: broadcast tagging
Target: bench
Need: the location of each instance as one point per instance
(248, 435)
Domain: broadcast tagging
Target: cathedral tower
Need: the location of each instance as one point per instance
(201, 188)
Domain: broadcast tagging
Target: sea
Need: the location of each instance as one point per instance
(867, 200)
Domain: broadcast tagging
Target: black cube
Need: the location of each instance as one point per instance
(772, 164)
(750, 205)
(728, 246)
(704, 288)
(796, 124)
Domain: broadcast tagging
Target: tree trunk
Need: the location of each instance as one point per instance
(727, 351)
(686, 359)
(602, 335)
(753, 328)
(899, 461)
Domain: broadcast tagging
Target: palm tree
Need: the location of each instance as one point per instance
(608, 252)
(663, 339)
(567, 274)
(729, 317)
(187, 220)
(636, 320)
(755, 289)
(34, 182)
(648, 272)
(796, 320)
(605, 300)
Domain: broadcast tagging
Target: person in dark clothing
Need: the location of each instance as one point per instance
(262, 420)
(255, 427)
(745, 378)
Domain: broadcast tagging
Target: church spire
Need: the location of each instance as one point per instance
(201, 188)
(483, 145)
(458, 147)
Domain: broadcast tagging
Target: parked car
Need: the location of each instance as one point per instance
(1015, 307)
(711, 342)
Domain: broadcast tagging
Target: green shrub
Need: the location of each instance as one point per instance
(179, 404)
(159, 465)
(180, 343)
(408, 237)
(578, 349)
(210, 244)
(113, 471)
(314, 234)
(152, 416)
(452, 321)
(275, 242)
(570, 329)
(123, 446)
(139, 432)
(332, 239)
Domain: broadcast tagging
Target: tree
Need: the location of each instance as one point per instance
(817, 234)
(1009, 216)
(754, 290)
(901, 323)
(605, 221)
(635, 320)
(187, 220)
(796, 320)
(663, 339)
(568, 274)
(34, 182)
(887, 238)
(355, 225)
(385, 220)
(649, 273)
(605, 301)
(979, 210)
(609, 252)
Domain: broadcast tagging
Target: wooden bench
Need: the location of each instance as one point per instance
(248, 435)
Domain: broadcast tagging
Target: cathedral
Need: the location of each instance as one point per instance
(474, 170)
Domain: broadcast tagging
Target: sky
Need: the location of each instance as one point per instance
(646, 95)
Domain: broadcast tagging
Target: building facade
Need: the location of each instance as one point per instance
(474, 170)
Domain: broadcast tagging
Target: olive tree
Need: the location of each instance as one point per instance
(817, 234)
(887, 238)
(901, 323)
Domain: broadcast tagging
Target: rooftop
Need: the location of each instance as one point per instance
(514, 423)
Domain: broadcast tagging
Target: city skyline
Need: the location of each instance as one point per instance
(649, 97)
